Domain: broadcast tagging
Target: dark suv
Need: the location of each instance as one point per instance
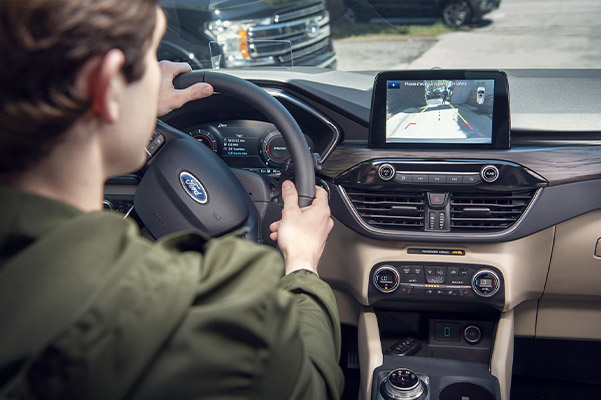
(243, 33)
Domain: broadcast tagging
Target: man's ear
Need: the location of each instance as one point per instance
(105, 82)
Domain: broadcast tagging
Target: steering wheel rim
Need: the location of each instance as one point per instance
(275, 112)
(186, 186)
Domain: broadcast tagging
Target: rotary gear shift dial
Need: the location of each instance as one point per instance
(403, 384)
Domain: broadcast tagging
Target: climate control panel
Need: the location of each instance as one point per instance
(436, 282)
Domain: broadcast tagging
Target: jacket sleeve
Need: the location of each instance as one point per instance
(250, 333)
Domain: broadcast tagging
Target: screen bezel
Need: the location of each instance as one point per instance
(500, 120)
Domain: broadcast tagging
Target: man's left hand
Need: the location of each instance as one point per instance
(171, 98)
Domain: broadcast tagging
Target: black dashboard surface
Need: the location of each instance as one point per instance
(555, 135)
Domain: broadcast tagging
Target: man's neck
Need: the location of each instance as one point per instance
(72, 174)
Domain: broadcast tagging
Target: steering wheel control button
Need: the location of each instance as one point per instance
(386, 279)
(401, 384)
(489, 173)
(472, 334)
(386, 172)
(486, 283)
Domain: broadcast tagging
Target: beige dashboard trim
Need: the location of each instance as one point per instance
(370, 351)
(502, 357)
(349, 257)
(571, 305)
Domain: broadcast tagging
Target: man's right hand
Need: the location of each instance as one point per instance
(302, 232)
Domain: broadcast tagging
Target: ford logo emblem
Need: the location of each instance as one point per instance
(193, 187)
(312, 29)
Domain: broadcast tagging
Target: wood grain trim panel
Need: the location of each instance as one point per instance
(558, 165)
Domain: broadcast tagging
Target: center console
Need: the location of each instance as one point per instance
(436, 329)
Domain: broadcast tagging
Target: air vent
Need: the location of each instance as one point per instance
(390, 210)
(492, 211)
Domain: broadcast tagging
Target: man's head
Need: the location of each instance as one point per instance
(43, 47)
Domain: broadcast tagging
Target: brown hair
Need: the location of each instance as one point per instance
(43, 44)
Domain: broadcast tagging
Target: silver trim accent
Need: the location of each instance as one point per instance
(278, 93)
(394, 271)
(486, 271)
(472, 341)
(391, 177)
(412, 393)
(128, 211)
(483, 175)
(436, 235)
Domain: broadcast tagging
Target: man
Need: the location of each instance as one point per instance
(89, 308)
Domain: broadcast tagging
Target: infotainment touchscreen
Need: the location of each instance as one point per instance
(442, 109)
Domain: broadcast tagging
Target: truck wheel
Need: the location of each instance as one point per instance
(456, 13)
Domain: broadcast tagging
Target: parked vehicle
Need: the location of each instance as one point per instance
(239, 33)
(453, 12)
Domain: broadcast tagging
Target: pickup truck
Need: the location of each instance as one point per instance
(241, 33)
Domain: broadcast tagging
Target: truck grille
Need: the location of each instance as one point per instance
(306, 29)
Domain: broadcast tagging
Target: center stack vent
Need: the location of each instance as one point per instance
(467, 211)
(390, 210)
(487, 211)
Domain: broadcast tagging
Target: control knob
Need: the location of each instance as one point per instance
(401, 384)
(486, 283)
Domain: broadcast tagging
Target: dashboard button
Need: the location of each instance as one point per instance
(437, 179)
(441, 271)
(435, 279)
(459, 281)
(453, 271)
(406, 289)
(418, 270)
(406, 270)
(455, 179)
(386, 172)
(489, 173)
(441, 292)
(403, 178)
(430, 270)
(471, 178)
(429, 292)
(420, 178)
(437, 199)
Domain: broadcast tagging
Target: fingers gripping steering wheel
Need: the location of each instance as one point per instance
(187, 186)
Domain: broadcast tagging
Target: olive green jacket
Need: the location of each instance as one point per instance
(181, 318)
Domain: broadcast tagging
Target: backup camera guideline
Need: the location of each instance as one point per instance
(447, 111)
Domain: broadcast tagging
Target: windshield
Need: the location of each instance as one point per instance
(384, 34)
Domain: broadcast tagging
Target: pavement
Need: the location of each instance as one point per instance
(520, 34)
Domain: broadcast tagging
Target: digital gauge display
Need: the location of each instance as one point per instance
(252, 145)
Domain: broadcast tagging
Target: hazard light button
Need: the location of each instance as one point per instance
(437, 199)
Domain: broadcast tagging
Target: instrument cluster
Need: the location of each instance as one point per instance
(251, 145)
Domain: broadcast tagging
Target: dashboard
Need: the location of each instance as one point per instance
(462, 248)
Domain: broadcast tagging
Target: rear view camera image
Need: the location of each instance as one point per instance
(439, 111)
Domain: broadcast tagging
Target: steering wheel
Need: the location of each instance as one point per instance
(187, 186)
